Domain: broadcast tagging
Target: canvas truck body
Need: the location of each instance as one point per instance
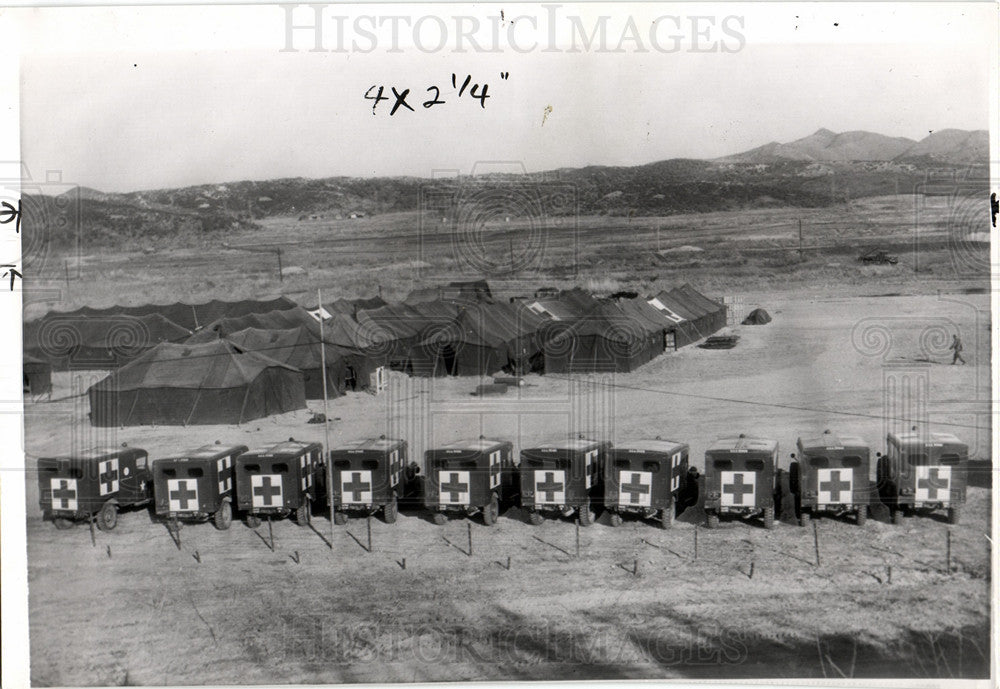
(739, 478)
(369, 475)
(565, 477)
(469, 477)
(831, 474)
(96, 481)
(645, 478)
(923, 471)
(198, 484)
(278, 480)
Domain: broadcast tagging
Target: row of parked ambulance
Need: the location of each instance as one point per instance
(647, 479)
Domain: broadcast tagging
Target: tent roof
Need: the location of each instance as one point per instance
(213, 365)
(101, 331)
(294, 346)
(186, 315)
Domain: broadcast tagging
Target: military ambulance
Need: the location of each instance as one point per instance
(97, 482)
(739, 478)
(369, 475)
(831, 475)
(470, 477)
(645, 478)
(278, 480)
(563, 477)
(198, 485)
(923, 472)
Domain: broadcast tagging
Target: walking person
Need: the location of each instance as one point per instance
(956, 345)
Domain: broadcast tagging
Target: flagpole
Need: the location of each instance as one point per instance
(326, 415)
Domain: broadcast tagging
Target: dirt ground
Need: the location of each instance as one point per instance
(636, 603)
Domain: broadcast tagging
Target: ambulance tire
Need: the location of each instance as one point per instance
(223, 517)
(339, 518)
(666, 518)
(862, 517)
(897, 515)
(712, 520)
(253, 521)
(391, 510)
(62, 523)
(954, 514)
(534, 518)
(769, 517)
(107, 518)
(615, 519)
(583, 512)
(439, 518)
(491, 511)
(302, 516)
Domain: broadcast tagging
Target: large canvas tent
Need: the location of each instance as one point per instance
(481, 339)
(182, 384)
(74, 341)
(609, 338)
(694, 315)
(299, 349)
(190, 316)
(362, 351)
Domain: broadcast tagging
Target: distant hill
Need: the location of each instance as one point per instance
(819, 170)
(949, 146)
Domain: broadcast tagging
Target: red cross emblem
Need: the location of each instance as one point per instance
(931, 481)
(454, 487)
(635, 487)
(266, 490)
(63, 493)
(494, 469)
(108, 476)
(550, 487)
(395, 467)
(833, 490)
(357, 487)
(737, 485)
(183, 497)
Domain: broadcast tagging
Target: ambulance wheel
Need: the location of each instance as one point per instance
(769, 517)
(439, 518)
(107, 518)
(862, 516)
(302, 514)
(62, 523)
(390, 510)
(339, 518)
(615, 519)
(897, 515)
(534, 518)
(491, 511)
(583, 512)
(666, 518)
(713, 520)
(805, 516)
(223, 517)
(954, 514)
(253, 521)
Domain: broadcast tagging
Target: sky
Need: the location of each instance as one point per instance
(141, 98)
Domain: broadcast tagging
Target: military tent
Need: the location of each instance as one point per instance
(190, 316)
(757, 317)
(107, 341)
(482, 339)
(182, 384)
(298, 348)
(695, 316)
(609, 338)
(37, 376)
(568, 305)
